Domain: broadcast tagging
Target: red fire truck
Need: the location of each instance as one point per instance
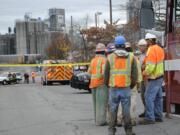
(172, 62)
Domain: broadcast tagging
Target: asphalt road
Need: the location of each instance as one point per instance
(32, 109)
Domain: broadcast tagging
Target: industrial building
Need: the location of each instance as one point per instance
(133, 8)
(7, 44)
(57, 19)
(31, 37)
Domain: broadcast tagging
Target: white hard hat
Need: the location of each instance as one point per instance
(127, 44)
(150, 36)
(142, 42)
(100, 47)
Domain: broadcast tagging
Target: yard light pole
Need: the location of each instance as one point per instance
(97, 14)
(110, 11)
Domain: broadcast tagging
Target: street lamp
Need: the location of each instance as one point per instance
(97, 14)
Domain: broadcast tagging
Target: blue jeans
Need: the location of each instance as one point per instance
(154, 99)
(117, 96)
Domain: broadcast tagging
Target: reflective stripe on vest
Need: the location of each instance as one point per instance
(120, 70)
(98, 70)
(97, 67)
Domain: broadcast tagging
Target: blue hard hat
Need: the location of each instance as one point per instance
(119, 41)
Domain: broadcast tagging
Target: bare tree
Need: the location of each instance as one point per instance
(59, 47)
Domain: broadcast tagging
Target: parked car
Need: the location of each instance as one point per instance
(18, 76)
(12, 78)
(81, 81)
(5, 79)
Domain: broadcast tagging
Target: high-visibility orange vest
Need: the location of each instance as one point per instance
(120, 70)
(96, 70)
(154, 62)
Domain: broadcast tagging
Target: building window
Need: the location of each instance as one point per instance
(177, 8)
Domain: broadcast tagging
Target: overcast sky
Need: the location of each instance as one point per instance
(10, 10)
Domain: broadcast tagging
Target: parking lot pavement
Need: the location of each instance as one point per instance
(33, 109)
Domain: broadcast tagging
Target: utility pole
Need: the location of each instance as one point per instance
(72, 31)
(85, 49)
(9, 41)
(110, 8)
(35, 39)
(72, 35)
(96, 20)
(87, 18)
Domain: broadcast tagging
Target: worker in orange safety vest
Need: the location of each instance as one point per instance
(120, 75)
(110, 48)
(154, 71)
(99, 90)
(134, 90)
(33, 75)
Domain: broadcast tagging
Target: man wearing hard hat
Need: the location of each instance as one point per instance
(33, 75)
(142, 45)
(128, 47)
(120, 74)
(99, 90)
(134, 91)
(110, 48)
(154, 71)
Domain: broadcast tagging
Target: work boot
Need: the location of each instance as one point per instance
(146, 122)
(102, 124)
(130, 132)
(158, 120)
(111, 131)
(119, 124)
(142, 115)
(133, 123)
